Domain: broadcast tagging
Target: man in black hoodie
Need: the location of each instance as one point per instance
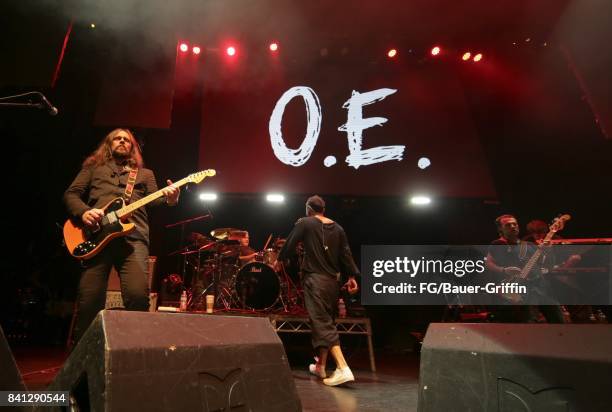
(326, 256)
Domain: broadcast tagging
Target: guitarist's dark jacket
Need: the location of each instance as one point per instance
(95, 186)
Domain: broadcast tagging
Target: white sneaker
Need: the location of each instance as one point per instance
(339, 377)
(317, 370)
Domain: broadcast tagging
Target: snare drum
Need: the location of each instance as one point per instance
(257, 286)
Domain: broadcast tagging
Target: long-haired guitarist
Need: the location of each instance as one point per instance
(506, 258)
(115, 169)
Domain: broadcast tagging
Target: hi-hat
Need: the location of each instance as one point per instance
(223, 233)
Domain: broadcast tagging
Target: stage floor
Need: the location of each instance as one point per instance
(393, 387)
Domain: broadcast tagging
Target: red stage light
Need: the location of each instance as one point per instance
(435, 50)
(478, 57)
(466, 56)
(230, 51)
(273, 46)
(196, 50)
(183, 47)
(392, 53)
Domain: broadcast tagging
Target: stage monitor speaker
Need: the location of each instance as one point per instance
(141, 361)
(516, 367)
(10, 377)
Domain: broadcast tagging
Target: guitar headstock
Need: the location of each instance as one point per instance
(199, 176)
(559, 222)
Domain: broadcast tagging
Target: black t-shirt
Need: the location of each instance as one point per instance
(511, 254)
(326, 248)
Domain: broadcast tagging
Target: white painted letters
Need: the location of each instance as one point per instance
(296, 157)
(354, 127)
(356, 124)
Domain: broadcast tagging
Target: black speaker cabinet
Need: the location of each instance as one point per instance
(140, 361)
(516, 367)
(10, 377)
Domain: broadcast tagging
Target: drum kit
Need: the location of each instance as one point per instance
(239, 277)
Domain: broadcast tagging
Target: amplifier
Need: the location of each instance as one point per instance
(113, 278)
(115, 301)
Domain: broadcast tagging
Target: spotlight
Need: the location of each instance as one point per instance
(275, 198)
(196, 50)
(436, 50)
(478, 57)
(231, 51)
(183, 47)
(92, 25)
(466, 56)
(420, 200)
(208, 196)
(273, 46)
(392, 53)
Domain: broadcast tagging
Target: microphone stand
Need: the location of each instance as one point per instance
(40, 105)
(184, 222)
(31, 105)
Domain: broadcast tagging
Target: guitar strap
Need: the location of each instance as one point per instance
(129, 187)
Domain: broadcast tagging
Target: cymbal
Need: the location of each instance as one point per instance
(211, 245)
(223, 233)
(195, 236)
(220, 246)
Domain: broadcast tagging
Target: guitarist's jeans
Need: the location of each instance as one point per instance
(129, 257)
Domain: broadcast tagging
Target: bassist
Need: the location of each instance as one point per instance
(103, 177)
(506, 258)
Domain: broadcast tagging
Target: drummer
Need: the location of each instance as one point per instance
(247, 254)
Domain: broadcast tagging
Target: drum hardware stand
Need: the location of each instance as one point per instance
(223, 294)
(196, 297)
(215, 268)
(185, 248)
(292, 300)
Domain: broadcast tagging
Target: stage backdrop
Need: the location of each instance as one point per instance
(339, 126)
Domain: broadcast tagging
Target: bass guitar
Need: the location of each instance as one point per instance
(85, 242)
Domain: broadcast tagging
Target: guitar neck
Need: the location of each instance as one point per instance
(530, 264)
(536, 255)
(126, 210)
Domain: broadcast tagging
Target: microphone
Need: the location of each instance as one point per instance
(50, 108)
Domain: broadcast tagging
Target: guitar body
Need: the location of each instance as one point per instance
(84, 242)
(515, 298)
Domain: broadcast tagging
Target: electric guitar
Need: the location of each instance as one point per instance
(557, 225)
(85, 242)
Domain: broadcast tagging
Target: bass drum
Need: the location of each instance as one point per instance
(257, 286)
